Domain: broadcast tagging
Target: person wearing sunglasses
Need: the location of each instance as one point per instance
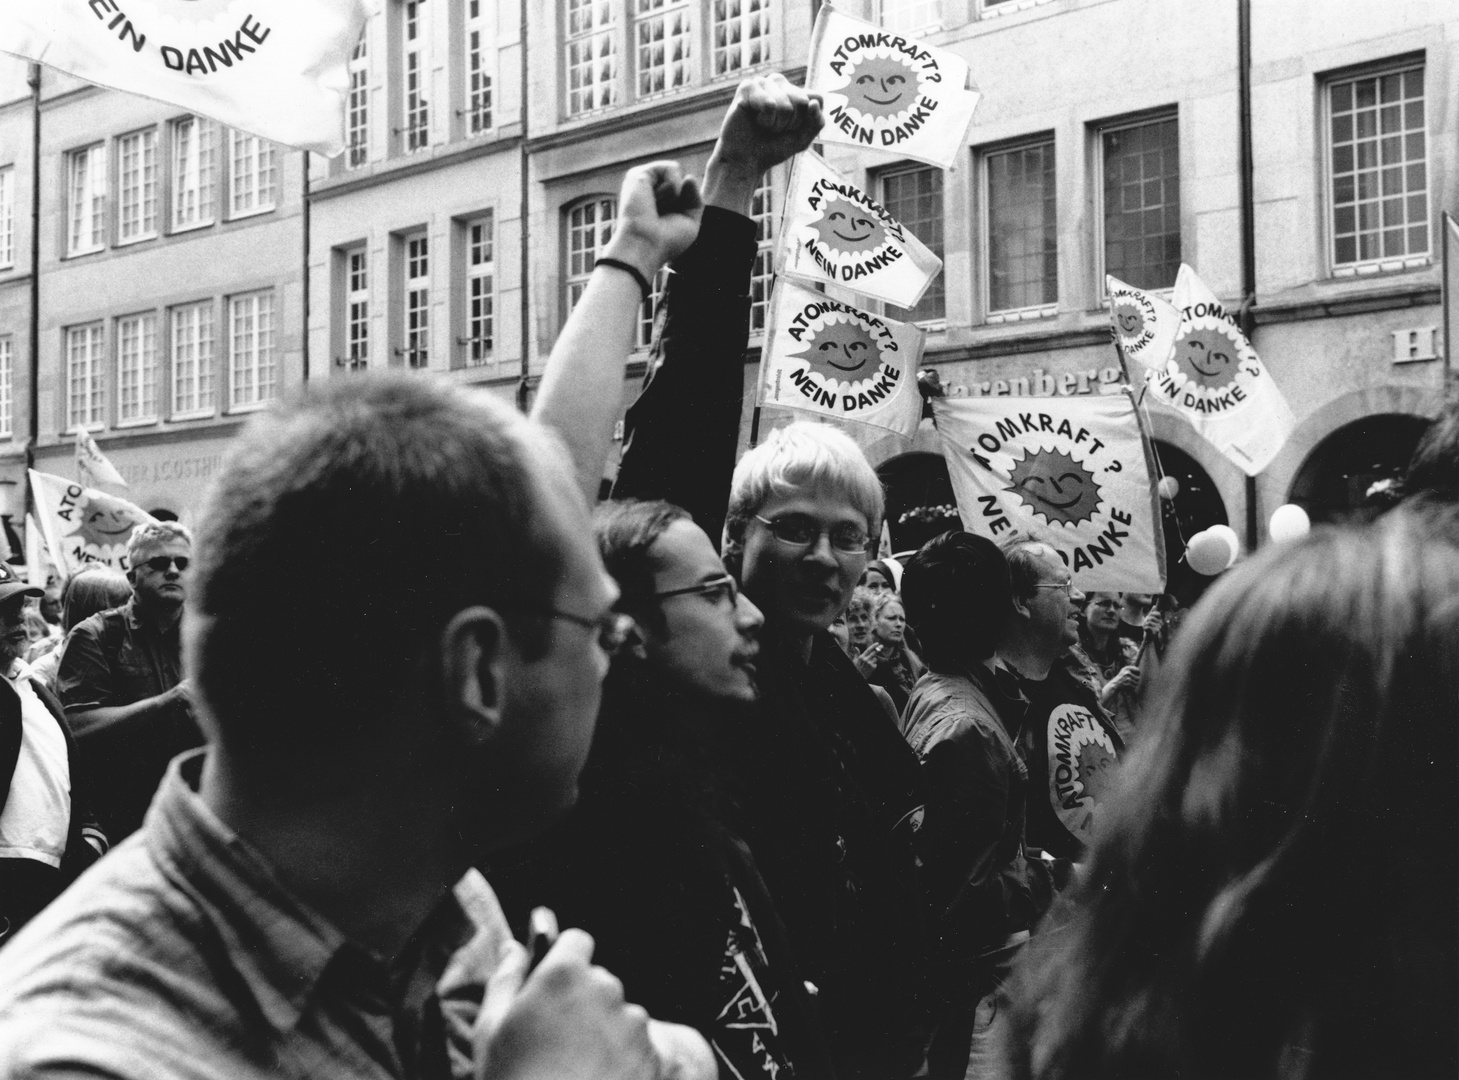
(120, 680)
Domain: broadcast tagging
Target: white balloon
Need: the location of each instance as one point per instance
(1208, 553)
(1169, 487)
(1289, 522)
(1227, 533)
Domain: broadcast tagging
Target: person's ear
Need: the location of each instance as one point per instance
(474, 650)
(1021, 606)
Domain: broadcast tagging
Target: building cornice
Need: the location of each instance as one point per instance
(387, 172)
(1392, 299)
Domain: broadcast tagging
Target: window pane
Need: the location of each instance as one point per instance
(592, 56)
(589, 227)
(416, 70)
(193, 175)
(480, 298)
(1021, 215)
(741, 35)
(910, 16)
(914, 197)
(417, 306)
(192, 359)
(357, 106)
(762, 278)
(1142, 204)
(661, 29)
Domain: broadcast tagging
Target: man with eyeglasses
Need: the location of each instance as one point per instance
(120, 680)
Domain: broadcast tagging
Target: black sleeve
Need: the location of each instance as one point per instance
(680, 435)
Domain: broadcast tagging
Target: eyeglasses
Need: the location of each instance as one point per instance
(613, 628)
(161, 563)
(715, 591)
(802, 530)
(1067, 586)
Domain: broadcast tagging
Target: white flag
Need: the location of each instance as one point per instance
(83, 525)
(888, 91)
(92, 466)
(826, 357)
(274, 68)
(835, 232)
(1073, 472)
(38, 561)
(1144, 326)
(1214, 378)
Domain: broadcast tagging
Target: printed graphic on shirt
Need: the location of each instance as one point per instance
(1082, 763)
(746, 1036)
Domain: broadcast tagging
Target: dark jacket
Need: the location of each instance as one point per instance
(647, 865)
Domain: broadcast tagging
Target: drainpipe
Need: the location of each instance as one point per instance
(1248, 224)
(35, 274)
(524, 224)
(305, 339)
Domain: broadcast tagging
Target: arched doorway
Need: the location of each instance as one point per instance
(920, 502)
(1342, 479)
(1196, 506)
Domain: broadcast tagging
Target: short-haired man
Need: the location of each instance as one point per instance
(120, 680)
(46, 838)
(286, 910)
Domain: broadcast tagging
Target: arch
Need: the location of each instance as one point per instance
(1334, 481)
(917, 478)
(1198, 505)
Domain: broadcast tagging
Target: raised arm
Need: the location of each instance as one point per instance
(658, 217)
(681, 433)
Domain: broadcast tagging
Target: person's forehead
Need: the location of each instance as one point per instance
(170, 545)
(828, 504)
(1052, 568)
(683, 551)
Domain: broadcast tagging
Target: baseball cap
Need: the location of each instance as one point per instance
(12, 584)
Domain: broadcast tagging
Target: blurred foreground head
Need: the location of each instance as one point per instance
(1275, 892)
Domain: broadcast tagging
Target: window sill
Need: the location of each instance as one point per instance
(139, 422)
(239, 215)
(196, 414)
(1382, 266)
(1017, 315)
(136, 240)
(74, 428)
(194, 226)
(249, 407)
(81, 253)
(1007, 7)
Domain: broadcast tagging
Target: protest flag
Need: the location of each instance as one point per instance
(1450, 287)
(1214, 379)
(1144, 326)
(1073, 472)
(888, 91)
(38, 561)
(829, 358)
(92, 466)
(81, 524)
(835, 232)
(273, 68)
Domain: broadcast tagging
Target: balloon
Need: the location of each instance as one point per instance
(1229, 534)
(1169, 487)
(1208, 553)
(1289, 522)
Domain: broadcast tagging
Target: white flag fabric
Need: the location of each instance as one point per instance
(888, 91)
(83, 525)
(92, 465)
(835, 232)
(1073, 472)
(1214, 378)
(38, 561)
(274, 68)
(829, 358)
(1144, 325)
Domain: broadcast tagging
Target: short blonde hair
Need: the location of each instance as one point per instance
(799, 456)
(152, 534)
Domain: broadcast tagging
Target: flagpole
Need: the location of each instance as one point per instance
(34, 395)
(1446, 298)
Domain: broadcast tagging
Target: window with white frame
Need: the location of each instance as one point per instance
(138, 368)
(417, 307)
(86, 200)
(357, 309)
(480, 297)
(137, 186)
(253, 367)
(84, 374)
(414, 71)
(1141, 197)
(662, 33)
(1022, 253)
(357, 105)
(480, 49)
(648, 311)
(192, 360)
(740, 33)
(589, 227)
(7, 216)
(255, 175)
(194, 172)
(914, 197)
(1378, 170)
(762, 278)
(592, 55)
(910, 16)
(7, 388)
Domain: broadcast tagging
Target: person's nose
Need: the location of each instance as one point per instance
(820, 551)
(1075, 596)
(748, 617)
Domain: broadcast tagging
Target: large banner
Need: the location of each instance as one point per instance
(888, 91)
(82, 525)
(1073, 472)
(829, 358)
(835, 232)
(1214, 378)
(275, 68)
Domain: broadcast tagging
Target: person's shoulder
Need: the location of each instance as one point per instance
(99, 624)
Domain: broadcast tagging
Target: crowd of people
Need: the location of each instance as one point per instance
(684, 784)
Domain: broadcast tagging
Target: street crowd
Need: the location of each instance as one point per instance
(685, 784)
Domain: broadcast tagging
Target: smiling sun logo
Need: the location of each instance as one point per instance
(1209, 353)
(1130, 319)
(848, 228)
(1053, 484)
(105, 521)
(844, 350)
(882, 86)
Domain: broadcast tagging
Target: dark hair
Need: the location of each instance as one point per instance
(1433, 470)
(626, 529)
(95, 587)
(957, 596)
(350, 522)
(1273, 891)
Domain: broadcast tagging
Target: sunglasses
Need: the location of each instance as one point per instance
(161, 563)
